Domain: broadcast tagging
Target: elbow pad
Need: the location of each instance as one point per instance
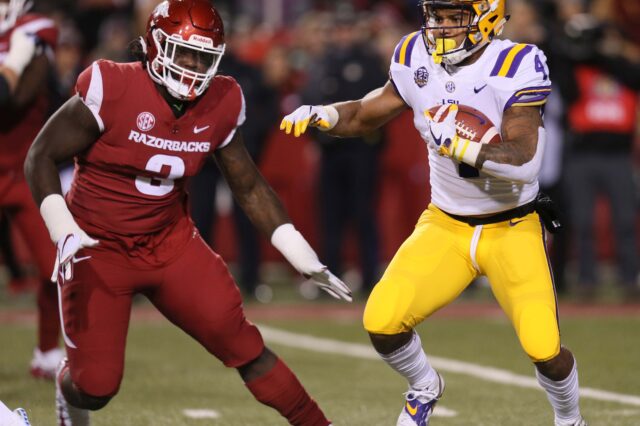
(525, 173)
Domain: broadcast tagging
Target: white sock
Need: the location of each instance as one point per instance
(563, 396)
(411, 362)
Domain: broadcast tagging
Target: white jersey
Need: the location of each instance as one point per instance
(506, 74)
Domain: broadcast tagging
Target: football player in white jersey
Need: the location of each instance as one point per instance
(483, 218)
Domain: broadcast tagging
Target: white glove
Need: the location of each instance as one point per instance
(324, 117)
(22, 47)
(299, 253)
(66, 250)
(66, 234)
(442, 137)
(331, 284)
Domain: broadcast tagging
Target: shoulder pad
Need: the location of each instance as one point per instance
(510, 59)
(404, 49)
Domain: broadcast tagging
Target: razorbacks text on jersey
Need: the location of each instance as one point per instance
(18, 128)
(131, 181)
(506, 74)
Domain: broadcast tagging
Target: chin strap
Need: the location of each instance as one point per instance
(143, 44)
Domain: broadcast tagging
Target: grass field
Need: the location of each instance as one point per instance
(167, 373)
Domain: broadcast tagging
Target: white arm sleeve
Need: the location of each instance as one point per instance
(525, 173)
(57, 217)
(296, 249)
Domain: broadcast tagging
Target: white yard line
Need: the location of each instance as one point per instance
(357, 350)
(440, 411)
(199, 413)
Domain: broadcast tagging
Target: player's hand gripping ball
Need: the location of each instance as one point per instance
(448, 124)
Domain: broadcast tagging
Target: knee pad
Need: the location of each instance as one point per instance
(97, 383)
(386, 311)
(538, 332)
(94, 403)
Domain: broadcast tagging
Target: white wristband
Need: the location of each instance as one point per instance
(466, 151)
(21, 51)
(333, 115)
(57, 217)
(296, 249)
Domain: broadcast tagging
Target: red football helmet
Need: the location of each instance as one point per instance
(10, 11)
(184, 45)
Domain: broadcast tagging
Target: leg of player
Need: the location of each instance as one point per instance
(47, 355)
(272, 383)
(73, 405)
(518, 269)
(559, 378)
(403, 352)
(26, 217)
(398, 304)
(199, 295)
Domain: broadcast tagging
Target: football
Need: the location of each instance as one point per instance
(471, 124)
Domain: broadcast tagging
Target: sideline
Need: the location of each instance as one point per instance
(491, 374)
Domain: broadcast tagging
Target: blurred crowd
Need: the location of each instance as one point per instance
(359, 198)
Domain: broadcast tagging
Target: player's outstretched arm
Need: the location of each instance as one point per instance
(264, 209)
(347, 119)
(71, 130)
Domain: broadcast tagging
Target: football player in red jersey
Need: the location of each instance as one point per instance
(138, 131)
(27, 41)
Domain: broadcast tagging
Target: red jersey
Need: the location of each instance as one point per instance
(131, 182)
(18, 129)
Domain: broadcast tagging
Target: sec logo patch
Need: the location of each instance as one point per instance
(145, 121)
(421, 77)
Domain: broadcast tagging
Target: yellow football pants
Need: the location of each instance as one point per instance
(443, 255)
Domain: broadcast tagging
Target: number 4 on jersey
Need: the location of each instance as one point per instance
(542, 68)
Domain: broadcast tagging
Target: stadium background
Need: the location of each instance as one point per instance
(282, 39)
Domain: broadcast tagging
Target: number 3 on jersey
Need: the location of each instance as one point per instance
(160, 186)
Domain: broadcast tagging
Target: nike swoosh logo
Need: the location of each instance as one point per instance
(412, 410)
(477, 90)
(515, 222)
(438, 141)
(197, 129)
(80, 259)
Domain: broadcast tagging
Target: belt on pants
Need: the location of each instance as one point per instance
(519, 211)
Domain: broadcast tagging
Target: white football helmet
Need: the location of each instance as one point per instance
(10, 11)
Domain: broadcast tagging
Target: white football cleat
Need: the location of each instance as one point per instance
(419, 405)
(66, 414)
(21, 417)
(45, 364)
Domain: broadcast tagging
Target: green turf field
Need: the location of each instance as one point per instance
(166, 373)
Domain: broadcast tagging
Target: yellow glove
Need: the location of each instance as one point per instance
(320, 116)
